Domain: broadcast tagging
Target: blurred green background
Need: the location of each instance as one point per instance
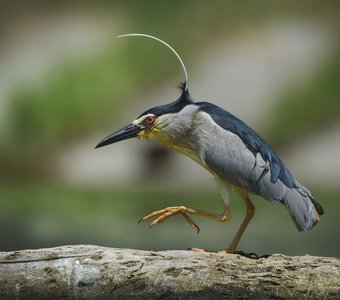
(66, 82)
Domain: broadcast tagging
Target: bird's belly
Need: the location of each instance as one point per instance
(235, 179)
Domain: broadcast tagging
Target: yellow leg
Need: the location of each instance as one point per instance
(237, 238)
(168, 212)
(247, 219)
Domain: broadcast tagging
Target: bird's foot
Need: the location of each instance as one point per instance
(168, 212)
(250, 255)
(224, 251)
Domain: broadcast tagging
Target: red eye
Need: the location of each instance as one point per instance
(150, 120)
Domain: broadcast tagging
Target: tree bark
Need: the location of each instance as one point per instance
(92, 272)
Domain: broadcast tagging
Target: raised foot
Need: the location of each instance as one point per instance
(168, 212)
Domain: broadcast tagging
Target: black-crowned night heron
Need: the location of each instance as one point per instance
(232, 152)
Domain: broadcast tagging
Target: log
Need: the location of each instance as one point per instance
(93, 272)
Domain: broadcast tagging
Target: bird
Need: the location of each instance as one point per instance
(237, 157)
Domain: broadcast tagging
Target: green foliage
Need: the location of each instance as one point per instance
(309, 106)
(80, 96)
(36, 216)
(73, 101)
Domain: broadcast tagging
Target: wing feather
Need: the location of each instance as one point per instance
(240, 156)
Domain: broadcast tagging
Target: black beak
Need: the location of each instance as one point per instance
(125, 133)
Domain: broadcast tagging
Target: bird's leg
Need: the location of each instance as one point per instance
(247, 219)
(166, 213)
(225, 192)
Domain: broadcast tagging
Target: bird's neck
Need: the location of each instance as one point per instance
(179, 144)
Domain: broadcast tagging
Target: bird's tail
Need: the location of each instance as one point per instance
(303, 208)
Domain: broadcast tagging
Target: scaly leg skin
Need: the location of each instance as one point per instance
(234, 243)
(168, 212)
(250, 214)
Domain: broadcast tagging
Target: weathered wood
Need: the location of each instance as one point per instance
(92, 272)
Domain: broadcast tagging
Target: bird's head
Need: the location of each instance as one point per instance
(158, 122)
(165, 123)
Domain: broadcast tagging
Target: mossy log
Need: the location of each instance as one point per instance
(93, 272)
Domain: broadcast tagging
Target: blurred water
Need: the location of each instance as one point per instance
(54, 217)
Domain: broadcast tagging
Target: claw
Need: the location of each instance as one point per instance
(168, 212)
(156, 222)
(251, 255)
(192, 223)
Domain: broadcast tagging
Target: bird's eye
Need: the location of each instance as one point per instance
(150, 120)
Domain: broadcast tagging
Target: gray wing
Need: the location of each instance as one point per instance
(231, 159)
(254, 143)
